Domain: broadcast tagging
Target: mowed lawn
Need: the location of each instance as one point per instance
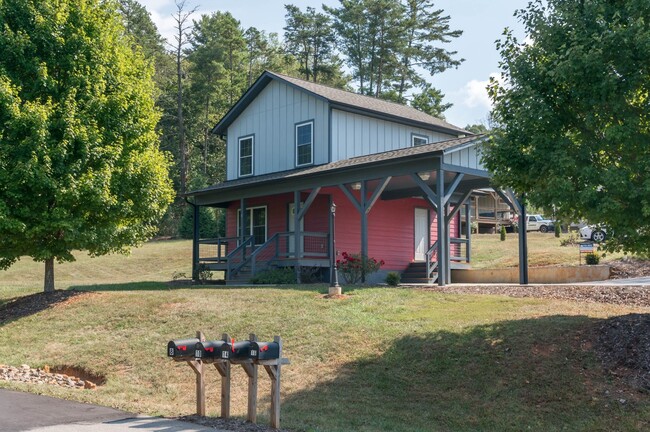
(382, 359)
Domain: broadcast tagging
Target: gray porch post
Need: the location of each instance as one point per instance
(523, 244)
(364, 231)
(448, 241)
(443, 260)
(468, 230)
(297, 246)
(195, 243)
(242, 220)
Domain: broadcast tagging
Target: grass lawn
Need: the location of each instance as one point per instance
(382, 359)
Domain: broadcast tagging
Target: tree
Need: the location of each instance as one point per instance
(430, 101)
(573, 115)
(309, 36)
(80, 166)
(477, 128)
(265, 52)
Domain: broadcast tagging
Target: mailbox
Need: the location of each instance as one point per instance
(238, 350)
(211, 350)
(181, 348)
(265, 350)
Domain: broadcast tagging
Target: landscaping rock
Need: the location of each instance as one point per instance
(26, 374)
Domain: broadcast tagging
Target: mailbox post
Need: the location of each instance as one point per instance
(183, 350)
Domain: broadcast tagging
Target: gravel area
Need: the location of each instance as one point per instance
(629, 267)
(27, 374)
(233, 425)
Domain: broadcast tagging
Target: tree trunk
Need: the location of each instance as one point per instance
(48, 286)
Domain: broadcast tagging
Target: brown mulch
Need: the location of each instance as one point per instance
(234, 425)
(623, 346)
(21, 307)
(629, 267)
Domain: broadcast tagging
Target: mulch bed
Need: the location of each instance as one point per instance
(21, 307)
(629, 267)
(233, 425)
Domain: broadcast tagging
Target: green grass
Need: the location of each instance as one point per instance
(382, 359)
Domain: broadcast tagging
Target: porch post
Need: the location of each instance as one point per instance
(195, 243)
(443, 261)
(364, 231)
(448, 241)
(468, 230)
(296, 234)
(523, 244)
(242, 220)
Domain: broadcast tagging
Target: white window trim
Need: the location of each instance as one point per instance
(311, 161)
(252, 156)
(250, 227)
(415, 135)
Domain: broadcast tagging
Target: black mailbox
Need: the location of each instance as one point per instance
(265, 350)
(238, 350)
(181, 348)
(211, 350)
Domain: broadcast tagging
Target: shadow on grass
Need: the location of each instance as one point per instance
(166, 286)
(24, 306)
(536, 374)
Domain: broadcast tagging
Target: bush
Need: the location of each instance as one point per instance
(592, 259)
(352, 266)
(202, 274)
(279, 276)
(503, 233)
(558, 229)
(393, 279)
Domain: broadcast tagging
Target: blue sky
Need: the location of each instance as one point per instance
(482, 21)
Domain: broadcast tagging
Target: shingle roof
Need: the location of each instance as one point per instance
(426, 149)
(342, 99)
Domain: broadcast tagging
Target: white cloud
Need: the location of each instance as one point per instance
(474, 94)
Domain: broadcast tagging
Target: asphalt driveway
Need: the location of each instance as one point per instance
(30, 412)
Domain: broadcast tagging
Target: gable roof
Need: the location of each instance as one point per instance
(343, 100)
(427, 150)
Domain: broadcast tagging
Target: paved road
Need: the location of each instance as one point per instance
(638, 281)
(29, 412)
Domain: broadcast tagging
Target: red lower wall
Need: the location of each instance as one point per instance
(390, 224)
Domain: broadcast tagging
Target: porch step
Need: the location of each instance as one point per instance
(416, 273)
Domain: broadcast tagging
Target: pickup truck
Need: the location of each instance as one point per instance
(539, 223)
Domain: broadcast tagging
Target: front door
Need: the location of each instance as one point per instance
(421, 234)
(292, 224)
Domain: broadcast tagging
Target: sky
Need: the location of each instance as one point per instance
(482, 22)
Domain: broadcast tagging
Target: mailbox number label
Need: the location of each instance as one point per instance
(224, 354)
(254, 353)
(171, 352)
(197, 353)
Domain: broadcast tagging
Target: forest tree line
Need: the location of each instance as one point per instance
(381, 48)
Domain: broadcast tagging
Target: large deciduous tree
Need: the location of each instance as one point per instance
(80, 166)
(573, 114)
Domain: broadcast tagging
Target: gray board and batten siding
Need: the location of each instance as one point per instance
(358, 135)
(272, 118)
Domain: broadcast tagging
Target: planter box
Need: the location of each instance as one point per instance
(541, 275)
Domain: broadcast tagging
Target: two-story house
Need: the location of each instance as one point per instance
(297, 151)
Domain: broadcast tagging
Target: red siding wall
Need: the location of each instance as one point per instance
(390, 224)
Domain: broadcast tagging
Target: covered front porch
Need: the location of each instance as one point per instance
(385, 206)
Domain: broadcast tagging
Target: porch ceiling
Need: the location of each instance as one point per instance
(399, 164)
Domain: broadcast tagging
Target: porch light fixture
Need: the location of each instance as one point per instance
(356, 185)
(424, 175)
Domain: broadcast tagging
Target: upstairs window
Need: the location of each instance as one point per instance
(305, 143)
(246, 156)
(417, 140)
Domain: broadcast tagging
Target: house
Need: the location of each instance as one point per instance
(309, 165)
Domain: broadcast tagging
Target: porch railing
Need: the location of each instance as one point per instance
(238, 257)
(432, 265)
(218, 249)
(458, 252)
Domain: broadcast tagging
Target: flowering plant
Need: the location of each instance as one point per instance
(352, 266)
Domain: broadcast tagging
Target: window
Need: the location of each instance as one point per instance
(304, 143)
(246, 156)
(417, 140)
(255, 223)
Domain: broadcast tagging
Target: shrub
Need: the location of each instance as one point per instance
(278, 276)
(572, 240)
(393, 279)
(503, 233)
(202, 274)
(592, 259)
(352, 266)
(558, 229)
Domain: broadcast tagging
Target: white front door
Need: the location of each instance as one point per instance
(421, 234)
(292, 224)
